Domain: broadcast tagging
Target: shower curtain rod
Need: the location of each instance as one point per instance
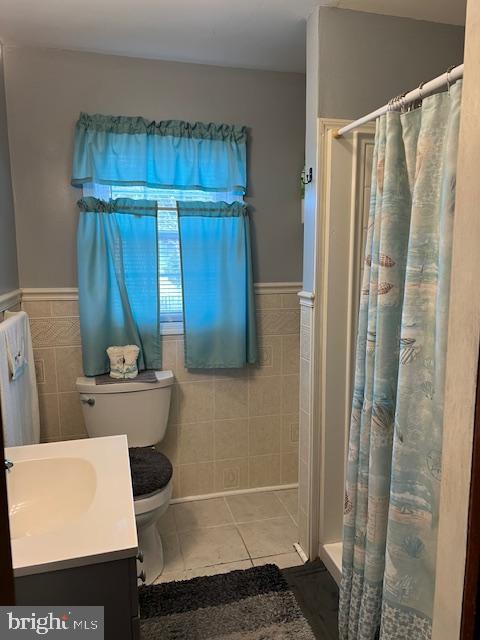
(446, 79)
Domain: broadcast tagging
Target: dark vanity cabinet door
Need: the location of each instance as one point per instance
(112, 585)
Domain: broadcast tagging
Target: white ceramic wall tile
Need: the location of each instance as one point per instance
(231, 475)
(55, 332)
(305, 426)
(278, 321)
(231, 438)
(269, 355)
(264, 471)
(289, 467)
(228, 429)
(45, 370)
(264, 435)
(305, 383)
(290, 433)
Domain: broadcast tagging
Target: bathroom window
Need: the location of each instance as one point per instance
(169, 268)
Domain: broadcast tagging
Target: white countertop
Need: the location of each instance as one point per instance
(70, 504)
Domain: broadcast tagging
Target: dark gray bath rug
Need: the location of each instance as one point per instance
(253, 604)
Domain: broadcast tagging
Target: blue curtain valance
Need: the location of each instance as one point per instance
(166, 154)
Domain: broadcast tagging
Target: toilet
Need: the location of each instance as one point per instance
(139, 410)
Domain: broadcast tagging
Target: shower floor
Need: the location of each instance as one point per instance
(206, 537)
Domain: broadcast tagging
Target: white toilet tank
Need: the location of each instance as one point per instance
(137, 409)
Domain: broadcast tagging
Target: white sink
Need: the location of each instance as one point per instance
(48, 494)
(70, 504)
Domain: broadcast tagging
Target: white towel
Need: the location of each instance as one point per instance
(15, 338)
(18, 396)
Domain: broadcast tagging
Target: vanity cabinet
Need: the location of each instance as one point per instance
(112, 585)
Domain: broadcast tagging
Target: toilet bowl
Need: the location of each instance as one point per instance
(147, 512)
(140, 411)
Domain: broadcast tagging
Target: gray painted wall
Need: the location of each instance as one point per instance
(8, 247)
(46, 90)
(366, 58)
(356, 62)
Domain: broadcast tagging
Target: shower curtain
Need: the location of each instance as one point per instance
(394, 457)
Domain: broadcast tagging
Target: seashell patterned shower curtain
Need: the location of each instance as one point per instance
(394, 457)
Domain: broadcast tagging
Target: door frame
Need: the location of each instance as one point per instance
(328, 444)
(462, 356)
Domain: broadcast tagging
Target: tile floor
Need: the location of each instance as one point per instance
(205, 537)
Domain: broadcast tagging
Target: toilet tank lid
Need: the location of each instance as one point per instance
(89, 385)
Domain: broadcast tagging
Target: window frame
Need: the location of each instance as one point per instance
(168, 327)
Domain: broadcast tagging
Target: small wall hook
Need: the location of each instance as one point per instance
(307, 175)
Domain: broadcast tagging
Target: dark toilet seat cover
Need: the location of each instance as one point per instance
(151, 470)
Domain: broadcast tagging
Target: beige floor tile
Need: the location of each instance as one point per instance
(289, 499)
(217, 545)
(219, 568)
(201, 513)
(269, 537)
(171, 577)
(255, 506)
(172, 554)
(283, 561)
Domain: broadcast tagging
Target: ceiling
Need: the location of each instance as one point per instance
(263, 34)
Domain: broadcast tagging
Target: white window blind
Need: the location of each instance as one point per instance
(169, 266)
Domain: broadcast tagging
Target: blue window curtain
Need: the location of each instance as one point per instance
(117, 280)
(121, 150)
(218, 296)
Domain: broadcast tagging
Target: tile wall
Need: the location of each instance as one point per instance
(228, 430)
(306, 421)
